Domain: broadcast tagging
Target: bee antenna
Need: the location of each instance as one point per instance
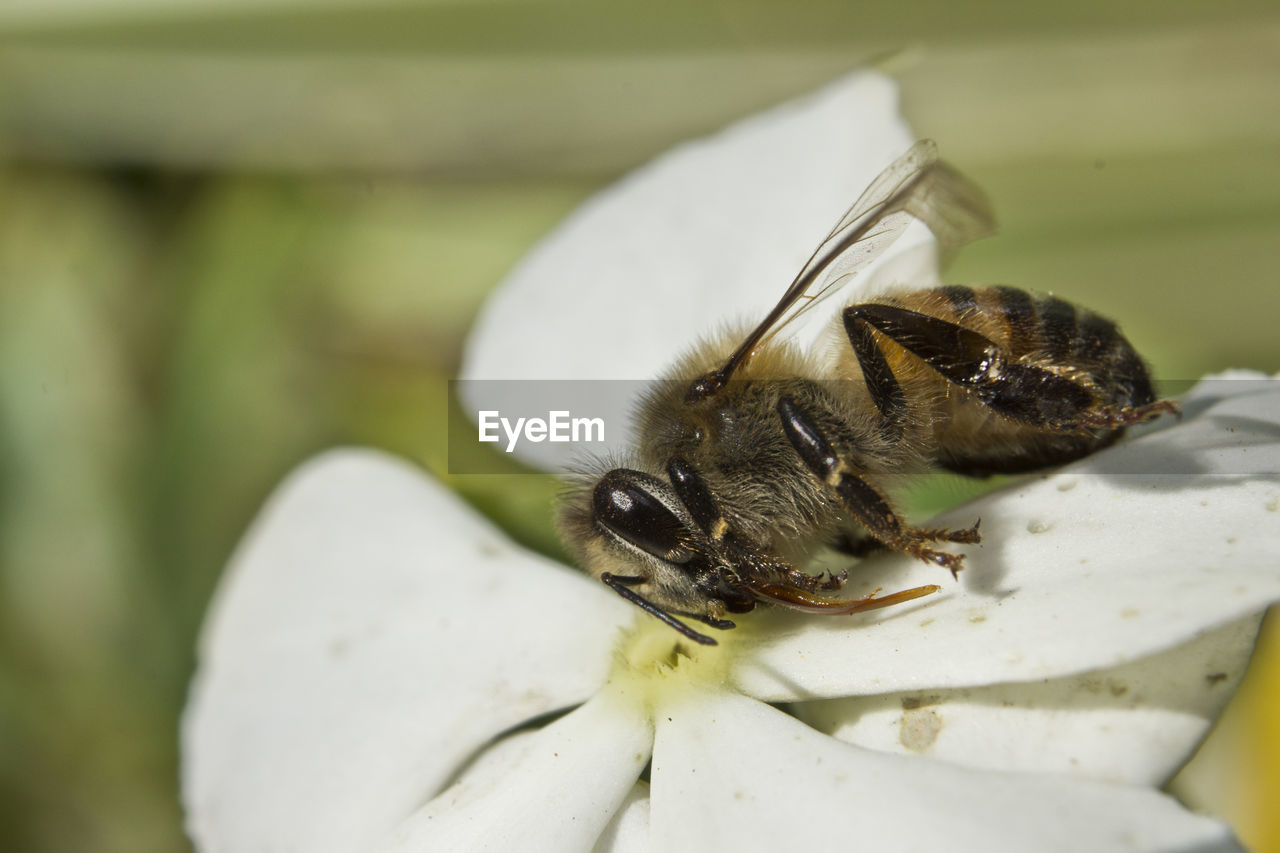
(621, 585)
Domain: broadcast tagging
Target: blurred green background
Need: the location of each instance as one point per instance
(233, 234)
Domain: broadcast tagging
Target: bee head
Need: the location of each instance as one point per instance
(632, 524)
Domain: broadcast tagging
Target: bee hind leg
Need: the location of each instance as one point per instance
(870, 508)
(1115, 417)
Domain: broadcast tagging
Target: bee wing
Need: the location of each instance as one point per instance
(915, 186)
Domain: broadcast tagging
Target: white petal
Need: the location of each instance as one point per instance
(733, 774)
(554, 791)
(628, 832)
(1135, 550)
(714, 230)
(1135, 723)
(708, 234)
(371, 633)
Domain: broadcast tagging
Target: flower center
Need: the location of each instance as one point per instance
(651, 658)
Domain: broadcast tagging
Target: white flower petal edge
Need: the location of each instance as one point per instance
(730, 773)
(371, 633)
(628, 832)
(1135, 723)
(553, 791)
(1125, 554)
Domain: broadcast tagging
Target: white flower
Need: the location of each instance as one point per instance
(378, 664)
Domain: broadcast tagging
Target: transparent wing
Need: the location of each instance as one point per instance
(915, 186)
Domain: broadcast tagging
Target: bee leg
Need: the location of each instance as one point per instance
(714, 616)
(886, 393)
(1114, 417)
(967, 536)
(833, 581)
(792, 578)
(891, 402)
(722, 624)
(860, 498)
(1026, 393)
(621, 585)
(696, 497)
(856, 546)
(827, 581)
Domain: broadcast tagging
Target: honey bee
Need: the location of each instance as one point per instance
(751, 455)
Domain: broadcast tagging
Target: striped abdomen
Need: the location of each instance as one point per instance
(1000, 380)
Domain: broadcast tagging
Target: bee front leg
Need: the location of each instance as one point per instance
(715, 610)
(862, 546)
(860, 498)
(697, 499)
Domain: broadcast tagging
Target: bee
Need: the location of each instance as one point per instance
(751, 454)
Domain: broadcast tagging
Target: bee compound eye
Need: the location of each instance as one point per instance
(628, 509)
